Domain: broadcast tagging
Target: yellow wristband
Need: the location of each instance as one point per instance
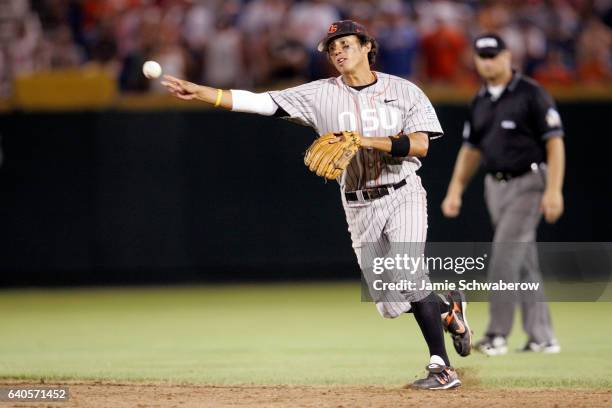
(219, 95)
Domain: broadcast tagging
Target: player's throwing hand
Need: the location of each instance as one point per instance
(180, 88)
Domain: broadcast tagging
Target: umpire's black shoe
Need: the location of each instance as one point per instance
(440, 377)
(456, 323)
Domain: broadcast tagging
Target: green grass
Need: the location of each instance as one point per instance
(268, 334)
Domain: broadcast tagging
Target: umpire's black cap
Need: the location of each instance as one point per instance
(340, 29)
(488, 45)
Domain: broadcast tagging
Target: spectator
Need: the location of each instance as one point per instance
(443, 53)
(287, 55)
(260, 16)
(593, 52)
(452, 13)
(498, 18)
(259, 20)
(169, 49)
(104, 50)
(399, 41)
(63, 51)
(534, 46)
(24, 47)
(198, 25)
(223, 57)
(559, 41)
(125, 28)
(553, 71)
(362, 11)
(310, 19)
(131, 78)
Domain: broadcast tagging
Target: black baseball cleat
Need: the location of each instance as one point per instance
(440, 377)
(456, 323)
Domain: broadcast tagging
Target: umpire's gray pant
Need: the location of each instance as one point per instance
(514, 207)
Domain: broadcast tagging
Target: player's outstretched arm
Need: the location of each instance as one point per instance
(468, 161)
(189, 91)
(235, 100)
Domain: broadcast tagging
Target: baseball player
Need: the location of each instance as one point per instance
(514, 129)
(390, 122)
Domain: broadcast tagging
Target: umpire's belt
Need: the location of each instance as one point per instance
(509, 175)
(373, 193)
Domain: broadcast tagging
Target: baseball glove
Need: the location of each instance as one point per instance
(331, 153)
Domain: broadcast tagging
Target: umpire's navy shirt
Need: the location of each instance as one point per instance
(511, 131)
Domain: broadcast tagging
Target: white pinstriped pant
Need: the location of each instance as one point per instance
(380, 227)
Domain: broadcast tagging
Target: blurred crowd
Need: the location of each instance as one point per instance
(252, 43)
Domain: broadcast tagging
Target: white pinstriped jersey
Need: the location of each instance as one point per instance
(385, 108)
(389, 106)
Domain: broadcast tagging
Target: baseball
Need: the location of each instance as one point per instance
(151, 69)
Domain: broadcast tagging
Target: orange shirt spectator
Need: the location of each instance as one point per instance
(593, 52)
(443, 51)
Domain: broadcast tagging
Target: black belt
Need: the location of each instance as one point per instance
(373, 193)
(509, 175)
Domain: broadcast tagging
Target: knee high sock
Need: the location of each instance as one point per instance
(427, 314)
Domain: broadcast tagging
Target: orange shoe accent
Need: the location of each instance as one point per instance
(443, 379)
(449, 319)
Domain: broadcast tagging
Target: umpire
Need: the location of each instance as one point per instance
(515, 131)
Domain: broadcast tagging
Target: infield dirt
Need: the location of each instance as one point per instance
(119, 395)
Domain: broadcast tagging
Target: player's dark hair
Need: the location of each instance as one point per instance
(363, 40)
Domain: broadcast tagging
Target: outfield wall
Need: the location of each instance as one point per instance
(190, 195)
